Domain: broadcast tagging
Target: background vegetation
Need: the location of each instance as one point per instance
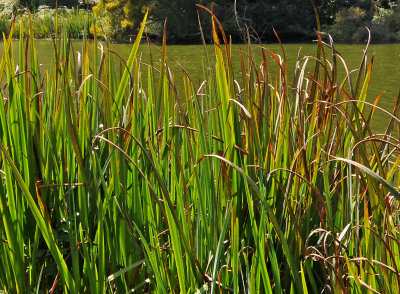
(294, 21)
(78, 22)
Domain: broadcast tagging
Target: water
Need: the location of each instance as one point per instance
(385, 78)
(385, 75)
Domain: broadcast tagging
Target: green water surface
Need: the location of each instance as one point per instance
(385, 76)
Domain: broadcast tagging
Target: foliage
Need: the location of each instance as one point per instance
(249, 183)
(77, 21)
(350, 25)
(379, 16)
(33, 4)
(327, 9)
(119, 18)
(386, 23)
(182, 18)
(293, 21)
(300, 27)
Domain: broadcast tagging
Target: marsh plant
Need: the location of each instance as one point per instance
(45, 20)
(248, 183)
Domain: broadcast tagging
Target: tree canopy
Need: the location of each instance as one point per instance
(293, 20)
(119, 18)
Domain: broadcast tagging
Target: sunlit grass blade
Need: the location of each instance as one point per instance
(127, 71)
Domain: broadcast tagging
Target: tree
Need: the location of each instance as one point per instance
(181, 16)
(385, 22)
(291, 19)
(118, 18)
(350, 25)
(327, 9)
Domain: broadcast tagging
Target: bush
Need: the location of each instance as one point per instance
(118, 19)
(350, 25)
(386, 23)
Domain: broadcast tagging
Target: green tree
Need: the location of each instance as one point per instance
(294, 20)
(380, 16)
(327, 9)
(350, 25)
(181, 16)
(386, 23)
(291, 19)
(118, 18)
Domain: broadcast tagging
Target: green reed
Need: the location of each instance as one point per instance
(77, 21)
(249, 183)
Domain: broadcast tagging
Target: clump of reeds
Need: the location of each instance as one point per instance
(251, 183)
(45, 20)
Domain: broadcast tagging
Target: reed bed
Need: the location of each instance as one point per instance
(250, 183)
(76, 21)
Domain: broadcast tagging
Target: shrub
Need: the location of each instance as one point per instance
(119, 18)
(350, 25)
(386, 23)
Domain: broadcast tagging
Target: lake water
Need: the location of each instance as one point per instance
(385, 76)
